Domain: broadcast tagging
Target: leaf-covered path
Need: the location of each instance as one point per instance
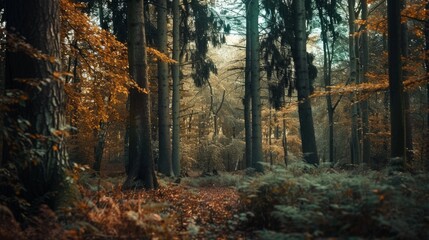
(171, 212)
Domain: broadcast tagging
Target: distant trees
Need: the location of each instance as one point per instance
(35, 124)
(329, 20)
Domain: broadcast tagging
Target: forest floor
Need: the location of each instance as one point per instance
(174, 211)
(101, 210)
(299, 203)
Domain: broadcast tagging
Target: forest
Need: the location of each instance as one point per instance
(214, 119)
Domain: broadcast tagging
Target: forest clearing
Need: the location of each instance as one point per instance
(214, 119)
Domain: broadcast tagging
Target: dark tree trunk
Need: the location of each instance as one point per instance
(327, 24)
(407, 107)
(247, 100)
(366, 145)
(355, 140)
(427, 85)
(141, 172)
(164, 162)
(176, 89)
(397, 121)
(38, 22)
(309, 148)
(100, 135)
(2, 86)
(257, 155)
(284, 141)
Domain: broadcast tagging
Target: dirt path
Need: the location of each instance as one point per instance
(207, 213)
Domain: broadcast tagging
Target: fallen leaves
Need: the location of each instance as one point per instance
(171, 212)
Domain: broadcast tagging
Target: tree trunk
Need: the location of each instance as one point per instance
(176, 89)
(327, 69)
(366, 145)
(427, 85)
(100, 135)
(309, 148)
(355, 143)
(257, 155)
(407, 107)
(397, 121)
(42, 113)
(141, 172)
(2, 88)
(164, 163)
(247, 101)
(284, 141)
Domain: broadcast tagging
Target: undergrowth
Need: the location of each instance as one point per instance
(223, 180)
(304, 202)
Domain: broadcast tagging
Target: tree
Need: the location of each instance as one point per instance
(426, 58)
(366, 146)
(247, 100)
(140, 170)
(299, 51)
(36, 125)
(405, 75)
(253, 15)
(397, 121)
(329, 18)
(176, 89)
(164, 161)
(355, 139)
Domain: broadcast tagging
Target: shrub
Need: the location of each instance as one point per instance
(325, 202)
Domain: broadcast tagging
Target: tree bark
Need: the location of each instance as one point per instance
(164, 163)
(42, 113)
(257, 155)
(141, 172)
(356, 156)
(176, 89)
(407, 107)
(366, 145)
(247, 100)
(100, 135)
(328, 50)
(397, 121)
(427, 85)
(299, 51)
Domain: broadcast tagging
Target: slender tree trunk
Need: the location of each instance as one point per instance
(427, 85)
(176, 89)
(284, 141)
(215, 112)
(38, 22)
(257, 155)
(101, 132)
(366, 145)
(247, 101)
(164, 163)
(330, 109)
(355, 143)
(270, 131)
(309, 148)
(407, 107)
(141, 172)
(397, 121)
(100, 135)
(327, 68)
(2, 94)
